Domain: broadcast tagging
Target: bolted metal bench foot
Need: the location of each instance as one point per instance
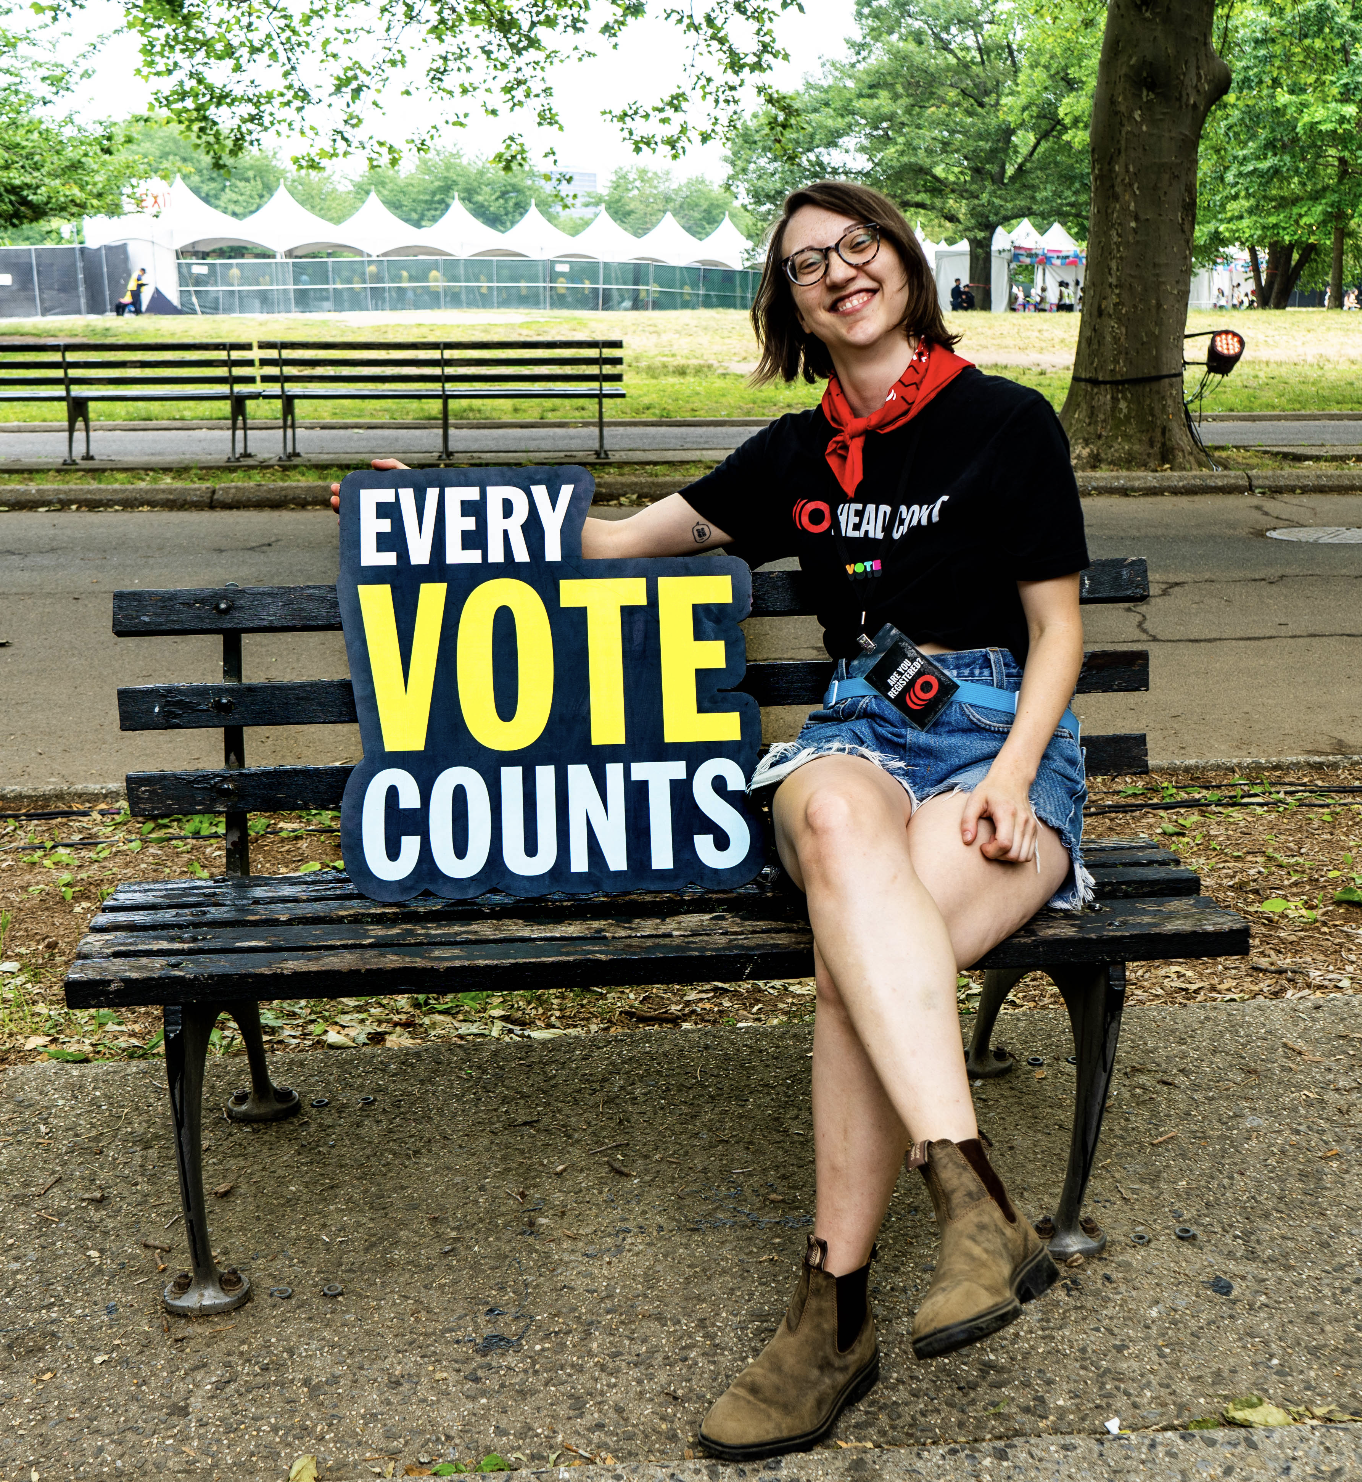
(262, 1101)
(981, 1061)
(188, 1296)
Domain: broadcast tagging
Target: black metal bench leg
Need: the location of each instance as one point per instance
(77, 412)
(1095, 997)
(983, 1062)
(203, 1290)
(264, 1102)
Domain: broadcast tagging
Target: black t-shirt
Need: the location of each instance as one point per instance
(973, 495)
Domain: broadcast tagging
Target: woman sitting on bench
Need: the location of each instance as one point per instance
(937, 510)
(925, 495)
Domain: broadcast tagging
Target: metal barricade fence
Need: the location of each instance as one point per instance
(40, 281)
(410, 284)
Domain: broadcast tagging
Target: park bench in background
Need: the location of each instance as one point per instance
(286, 372)
(204, 947)
(494, 370)
(79, 372)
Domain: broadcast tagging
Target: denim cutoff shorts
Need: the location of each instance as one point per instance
(952, 755)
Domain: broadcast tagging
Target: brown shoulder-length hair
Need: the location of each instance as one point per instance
(786, 351)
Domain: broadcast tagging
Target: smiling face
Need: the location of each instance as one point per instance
(853, 310)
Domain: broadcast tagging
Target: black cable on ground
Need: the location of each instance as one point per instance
(1231, 803)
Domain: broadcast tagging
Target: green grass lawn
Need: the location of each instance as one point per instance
(696, 363)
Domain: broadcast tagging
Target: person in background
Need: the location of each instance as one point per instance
(957, 297)
(132, 296)
(1219, 299)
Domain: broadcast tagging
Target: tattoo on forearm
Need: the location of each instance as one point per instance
(701, 533)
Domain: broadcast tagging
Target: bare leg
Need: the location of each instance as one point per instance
(888, 1063)
(859, 1138)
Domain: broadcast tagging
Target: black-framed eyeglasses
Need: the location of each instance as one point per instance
(856, 247)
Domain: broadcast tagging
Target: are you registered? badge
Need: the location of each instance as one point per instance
(533, 721)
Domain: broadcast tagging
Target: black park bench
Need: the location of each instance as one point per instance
(78, 373)
(200, 948)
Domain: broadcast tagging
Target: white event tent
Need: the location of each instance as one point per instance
(282, 226)
(174, 223)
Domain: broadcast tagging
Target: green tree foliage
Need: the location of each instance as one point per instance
(419, 194)
(234, 72)
(638, 198)
(968, 113)
(1281, 159)
(53, 169)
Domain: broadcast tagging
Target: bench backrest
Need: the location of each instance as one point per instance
(276, 368)
(235, 704)
(77, 368)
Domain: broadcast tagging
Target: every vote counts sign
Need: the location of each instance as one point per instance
(533, 721)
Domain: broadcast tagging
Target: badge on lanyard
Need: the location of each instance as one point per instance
(905, 676)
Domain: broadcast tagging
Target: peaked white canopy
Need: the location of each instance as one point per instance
(194, 224)
(1025, 236)
(291, 230)
(534, 236)
(725, 247)
(386, 235)
(605, 240)
(1056, 239)
(461, 234)
(668, 242)
(173, 214)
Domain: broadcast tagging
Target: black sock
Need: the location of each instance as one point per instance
(851, 1305)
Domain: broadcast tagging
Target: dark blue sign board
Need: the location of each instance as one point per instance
(533, 721)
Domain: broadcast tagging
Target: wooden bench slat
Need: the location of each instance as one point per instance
(327, 885)
(251, 790)
(287, 789)
(308, 702)
(1124, 931)
(182, 612)
(160, 613)
(179, 707)
(186, 916)
(1116, 754)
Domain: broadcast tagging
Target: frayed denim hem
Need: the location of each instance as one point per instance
(786, 757)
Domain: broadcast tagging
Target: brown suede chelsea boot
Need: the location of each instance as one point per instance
(789, 1398)
(991, 1259)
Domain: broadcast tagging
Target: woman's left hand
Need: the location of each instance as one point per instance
(1004, 799)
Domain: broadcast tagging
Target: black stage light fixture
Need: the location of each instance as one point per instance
(1222, 355)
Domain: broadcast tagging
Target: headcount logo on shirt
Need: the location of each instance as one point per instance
(533, 721)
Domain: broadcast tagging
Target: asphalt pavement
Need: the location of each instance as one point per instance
(191, 443)
(1254, 642)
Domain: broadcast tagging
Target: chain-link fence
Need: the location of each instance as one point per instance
(408, 284)
(37, 281)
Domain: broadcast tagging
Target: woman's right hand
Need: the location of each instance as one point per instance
(384, 463)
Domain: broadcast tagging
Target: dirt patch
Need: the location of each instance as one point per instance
(580, 1242)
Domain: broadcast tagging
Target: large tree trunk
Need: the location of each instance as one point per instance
(981, 265)
(1336, 266)
(1289, 272)
(1158, 77)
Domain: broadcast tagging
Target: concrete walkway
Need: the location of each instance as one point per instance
(493, 1303)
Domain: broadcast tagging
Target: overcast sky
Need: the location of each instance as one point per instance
(646, 65)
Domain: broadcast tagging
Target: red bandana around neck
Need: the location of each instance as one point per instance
(931, 368)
